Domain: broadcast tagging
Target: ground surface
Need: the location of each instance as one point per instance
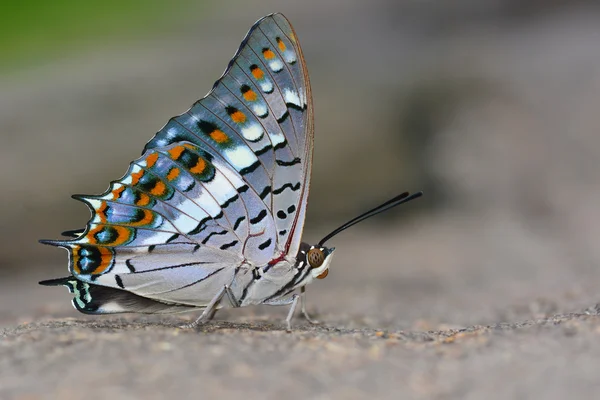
(389, 330)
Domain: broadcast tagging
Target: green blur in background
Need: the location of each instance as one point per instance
(37, 31)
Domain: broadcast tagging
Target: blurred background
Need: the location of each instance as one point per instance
(489, 106)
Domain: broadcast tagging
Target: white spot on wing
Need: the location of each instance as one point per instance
(136, 168)
(260, 109)
(209, 204)
(156, 237)
(252, 132)
(276, 65)
(266, 86)
(191, 208)
(184, 223)
(290, 57)
(291, 97)
(111, 307)
(94, 203)
(277, 138)
(241, 157)
(231, 175)
(220, 188)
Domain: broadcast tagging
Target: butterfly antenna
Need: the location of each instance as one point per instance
(391, 203)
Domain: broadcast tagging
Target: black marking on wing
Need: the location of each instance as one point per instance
(244, 88)
(291, 209)
(295, 106)
(151, 248)
(250, 168)
(265, 244)
(242, 189)
(281, 214)
(261, 215)
(263, 150)
(206, 126)
(74, 233)
(231, 110)
(288, 163)
(228, 245)
(281, 145)
(266, 191)
(282, 232)
(285, 116)
(175, 236)
(129, 265)
(238, 222)
(200, 227)
(119, 281)
(231, 200)
(196, 247)
(190, 187)
(173, 267)
(285, 186)
(214, 233)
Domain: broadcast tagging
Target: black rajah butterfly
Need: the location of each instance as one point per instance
(212, 213)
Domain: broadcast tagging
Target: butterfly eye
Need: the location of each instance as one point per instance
(315, 257)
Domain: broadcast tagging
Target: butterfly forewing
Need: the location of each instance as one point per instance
(223, 185)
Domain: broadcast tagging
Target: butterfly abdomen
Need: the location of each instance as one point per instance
(94, 299)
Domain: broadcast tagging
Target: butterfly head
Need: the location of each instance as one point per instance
(319, 258)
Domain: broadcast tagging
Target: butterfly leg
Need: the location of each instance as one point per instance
(303, 307)
(284, 302)
(212, 307)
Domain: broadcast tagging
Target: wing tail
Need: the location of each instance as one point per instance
(94, 299)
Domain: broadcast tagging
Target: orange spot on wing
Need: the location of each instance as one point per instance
(106, 260)
(158, 189)
(281, 44)
(117, 192)
(175, 152)
(173, 173)
(238, 117)
(258, 73)
(100, 211)
(123, 235)
(199, 167)
(151, 159)
(91, 236)
(189, 146)
(143, 200)
(268, 54)
(219, 136)
(135, 177)
(146, 220)
(250, 95)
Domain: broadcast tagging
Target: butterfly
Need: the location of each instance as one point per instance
(211, 215)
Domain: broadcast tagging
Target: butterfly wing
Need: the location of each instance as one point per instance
(223, 185)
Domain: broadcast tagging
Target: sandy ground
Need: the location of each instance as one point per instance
(389, 328)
